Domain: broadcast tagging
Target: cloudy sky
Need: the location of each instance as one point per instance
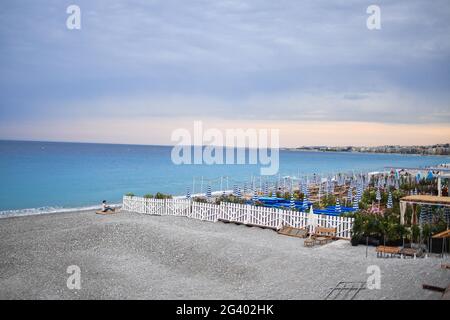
(137, 70)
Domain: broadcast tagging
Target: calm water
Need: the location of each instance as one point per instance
(48, 176)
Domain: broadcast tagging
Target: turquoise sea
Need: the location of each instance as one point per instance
(38, 177)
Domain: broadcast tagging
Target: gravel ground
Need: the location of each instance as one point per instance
(134, 256)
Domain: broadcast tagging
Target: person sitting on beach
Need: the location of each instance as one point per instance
(105, 207)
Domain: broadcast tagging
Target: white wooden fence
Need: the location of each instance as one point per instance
(239, 213)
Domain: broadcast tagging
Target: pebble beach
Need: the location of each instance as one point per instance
(137, 256)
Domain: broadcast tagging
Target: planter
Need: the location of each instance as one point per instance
(355, 240)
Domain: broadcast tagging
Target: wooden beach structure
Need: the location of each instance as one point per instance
(416, 200)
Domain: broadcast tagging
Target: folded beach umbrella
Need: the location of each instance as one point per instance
(337, 208)
(292, 203)
(234, 189)
(397, 185)
(355, 204)
(305, 189)
(349, 195)
(305, 203)
(447, 216)
(378, 195)
(415, 192)
(255, 197)
(238, 192)
(423, 215)
(430, 214)
(208, 192)
(390, 204)
(188, 193)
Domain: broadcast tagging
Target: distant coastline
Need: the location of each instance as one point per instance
(430, 150)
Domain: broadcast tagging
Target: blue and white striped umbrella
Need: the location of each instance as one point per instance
(337, 208)
(349, 195)
(357, 199)
(266, 189)
(255, 197)
(447, 215)
(188, 193)
(292, 203)
(274, 193)
(208, 192)
(359, 193)
(305, 189)
(423, 215)
(305, 203)
(415, 192)
(355, 204)
(238, 192)
(430, 215)
(390, 204)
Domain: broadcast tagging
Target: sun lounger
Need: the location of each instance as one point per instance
(324, 235)
(382, 250)
(309, 242)
(409, 252)
(293, 232)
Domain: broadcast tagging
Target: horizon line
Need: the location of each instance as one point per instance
(169, 145)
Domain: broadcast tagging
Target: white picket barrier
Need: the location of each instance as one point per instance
(178, 207)
(204, 211)
(294, 219)
(238, 213)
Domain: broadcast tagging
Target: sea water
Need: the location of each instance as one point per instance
(42, 177)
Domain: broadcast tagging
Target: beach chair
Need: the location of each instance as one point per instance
(387, 250)
(324, 235)
(309, 242)
(409, 252)
(293, 232)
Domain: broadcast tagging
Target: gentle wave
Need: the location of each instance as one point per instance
(47, 210)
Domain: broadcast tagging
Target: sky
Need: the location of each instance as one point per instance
(138, 70)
